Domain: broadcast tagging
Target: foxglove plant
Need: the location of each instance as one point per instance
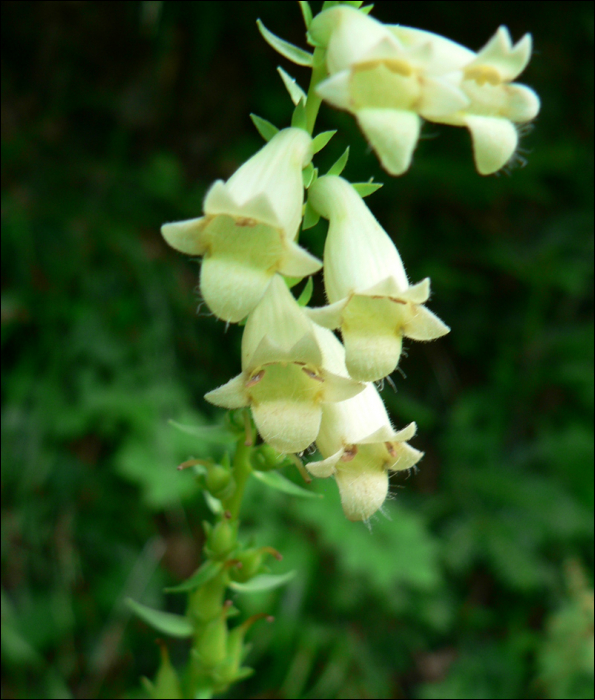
(299, 385)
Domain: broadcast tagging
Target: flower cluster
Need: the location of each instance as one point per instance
(300, 382)
(390, 77)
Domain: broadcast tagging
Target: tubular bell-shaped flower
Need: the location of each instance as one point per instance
(369, 296)
(289, 371)
(495, 103)
(383, 82)
(249, 228)
(360, 447)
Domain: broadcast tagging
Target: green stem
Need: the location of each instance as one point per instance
(319, 73)
(241, 472)
(207, 603)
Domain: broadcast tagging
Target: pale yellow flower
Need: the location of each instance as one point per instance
(288, 372)
(360, 448)
(382, 82)
(369, 296)
(495, 103)
(248, 231)
(390, 77)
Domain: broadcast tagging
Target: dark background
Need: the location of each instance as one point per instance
(478, 583)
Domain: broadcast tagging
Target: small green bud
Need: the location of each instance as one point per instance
(219, 482)
(205, 602)
(221, 540)
(231, 671)
(212, 642)
(265, 458)
(166, 683)
(251, 561)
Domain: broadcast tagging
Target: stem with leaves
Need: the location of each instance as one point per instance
(217, 649)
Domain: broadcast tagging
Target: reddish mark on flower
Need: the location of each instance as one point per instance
(397, 301)
(390, 448)
(254, 379)
(312, 374)
(349, 454)
(246, 221)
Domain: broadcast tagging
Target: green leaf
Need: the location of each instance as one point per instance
(306, 13)
(264, 582)
(366, 188)
(333, 3)
(291, 281)
(147, 685)
(205, 573)
(295, 91)
(16, 649)
(320, 140)
(306, 294)
(289, 51)
(243, 673)
(280, 483)
(264, 127)
(311, 217)
(215, 505)
(308, 175)
(215, 434)
(367, 9)
(168, 623)
(298, 118)
(338, 167)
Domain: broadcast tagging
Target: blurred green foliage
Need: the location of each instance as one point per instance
(478, 580)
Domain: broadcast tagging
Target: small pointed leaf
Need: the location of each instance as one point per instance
(215, 505)
(367, 9)
(264, 127)
(298, 118)
(366, 188)
(306, 13)
(168, 623)
(338, 167)
(308, 175)
(203, 694)
(311, 217)
(295, 91)
(243, 673)
(291, 281)
(306, 294)
(320, 140)
(289, 51)
(205, 573)
(264, 582)
(147, 685)
(280, 483)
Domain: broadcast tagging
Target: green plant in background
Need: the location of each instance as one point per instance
(478, 583)
(300, 383)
